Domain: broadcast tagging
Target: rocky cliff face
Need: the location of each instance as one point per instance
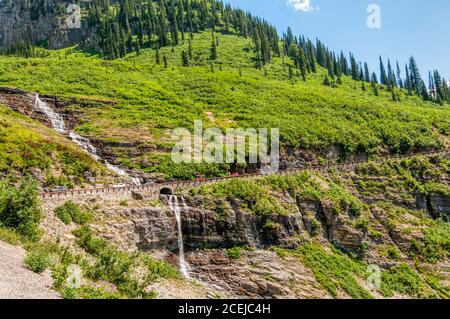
(257, 274)
(437, 205)
(156, 228)
(43, 22)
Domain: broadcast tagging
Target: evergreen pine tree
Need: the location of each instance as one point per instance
(354, 68)
(311, 56)
(138, 48)
(383, 75)
(190, 50)
(374, 78)
(366, 73)
(344, 64)
(174, 32)
(302, 63)
(408, 83)
(361, 72)
(375, 89)
(439, 87)
(157, 56)
(415, 78)
(163, 40)
(329, 65)
(391, 75)
(213, 51)
(184, 58)
(290, 73)
(399, 77)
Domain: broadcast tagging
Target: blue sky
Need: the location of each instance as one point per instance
(408, 27)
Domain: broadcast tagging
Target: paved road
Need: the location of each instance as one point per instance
(190, 184)
(17, 282)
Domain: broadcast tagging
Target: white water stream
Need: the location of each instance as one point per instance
(59, 126)
(175, 207)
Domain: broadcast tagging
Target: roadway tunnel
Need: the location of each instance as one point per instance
(165, 191)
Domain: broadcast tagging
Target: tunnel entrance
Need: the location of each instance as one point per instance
(165, 191)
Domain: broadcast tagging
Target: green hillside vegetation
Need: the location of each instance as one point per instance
(263, 195)
(28, 147)
(151, 100)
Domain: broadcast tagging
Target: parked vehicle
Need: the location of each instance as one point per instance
(200, 178)
(58, 189)
(235, 174)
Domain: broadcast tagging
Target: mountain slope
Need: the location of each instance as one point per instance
(150, 100)
(30, 148)
(306, 235)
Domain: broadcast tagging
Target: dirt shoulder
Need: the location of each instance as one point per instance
(17, 282)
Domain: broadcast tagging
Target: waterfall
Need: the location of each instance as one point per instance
(56, 119)
(59, 126)
(175, 207)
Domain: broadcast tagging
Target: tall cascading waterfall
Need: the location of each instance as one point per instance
(58, 125)
(175, 207)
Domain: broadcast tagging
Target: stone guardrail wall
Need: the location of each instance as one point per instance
(154, 190)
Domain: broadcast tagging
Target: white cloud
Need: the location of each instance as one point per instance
(301, 5)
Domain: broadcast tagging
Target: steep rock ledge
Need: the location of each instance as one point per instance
(437, 205)
(40, 22)
(155, 228)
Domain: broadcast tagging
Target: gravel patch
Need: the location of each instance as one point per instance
(18, 282)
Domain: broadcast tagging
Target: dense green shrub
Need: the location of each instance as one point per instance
(70, 211)
(252, 194)
(393, 253)
(19, 208)
(87, 240)
(435, 245)
(334, 270)
(9, 236)
(404, 280)
(52, 181)
(63, 215)
(88, 292)
(37, 261)
(234, 252)
(117, 267)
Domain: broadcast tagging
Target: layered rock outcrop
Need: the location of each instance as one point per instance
(155, 228)
(437, 205)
